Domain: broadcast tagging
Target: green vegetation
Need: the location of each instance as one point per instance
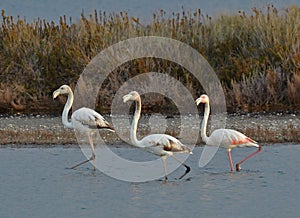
(256, 56)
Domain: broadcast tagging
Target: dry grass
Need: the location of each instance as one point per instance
(266, 135)
(268, 92)
(36, 137)
(256, 56)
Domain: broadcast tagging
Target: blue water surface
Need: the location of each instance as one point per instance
(36, 183)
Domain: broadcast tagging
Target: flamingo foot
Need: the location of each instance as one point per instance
(188, 169)
(238, 167)
(166, 179)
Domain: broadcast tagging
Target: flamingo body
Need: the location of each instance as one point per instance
(162, 144)
(159, 144)
(225, 138)
(230, 139)
(83, 119)
(87, 119)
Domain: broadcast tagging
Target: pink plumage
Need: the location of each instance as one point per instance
(225, 138)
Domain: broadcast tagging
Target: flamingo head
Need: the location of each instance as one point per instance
(202, 99)
(132, 96)
(64, 89)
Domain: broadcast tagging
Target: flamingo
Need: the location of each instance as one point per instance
(83, 119)
(162, 145)
(230, 138)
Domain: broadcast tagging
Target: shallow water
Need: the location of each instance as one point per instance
(36, 183)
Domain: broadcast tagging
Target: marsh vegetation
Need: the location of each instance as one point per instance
(256, 56)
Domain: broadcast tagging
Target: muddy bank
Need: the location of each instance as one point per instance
(46, 130)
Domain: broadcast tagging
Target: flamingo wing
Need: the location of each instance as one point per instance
(229, 138)
(162, 144)
(90, 119)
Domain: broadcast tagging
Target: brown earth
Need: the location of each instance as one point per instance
(30, 131)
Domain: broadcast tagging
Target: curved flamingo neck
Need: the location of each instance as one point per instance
(204, 122)
(66, 110)
(136, 117)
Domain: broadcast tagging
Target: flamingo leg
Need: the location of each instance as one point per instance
(230, 159)
(93, 157)
(73, 167)
(188, 169)
(93, 151)
(165, 166)
(238, 168)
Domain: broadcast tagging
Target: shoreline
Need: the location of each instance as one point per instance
(36, 131)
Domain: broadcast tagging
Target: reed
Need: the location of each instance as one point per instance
(255, 55)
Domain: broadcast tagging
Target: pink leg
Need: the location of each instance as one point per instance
(165, 167)
(238, 168)
(93, 151)
(93, 157)
(230, 159)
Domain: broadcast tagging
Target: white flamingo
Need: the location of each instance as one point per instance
(162, 145)
(83, 119)
(230, 138)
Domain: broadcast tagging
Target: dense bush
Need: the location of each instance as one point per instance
(256, 56)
